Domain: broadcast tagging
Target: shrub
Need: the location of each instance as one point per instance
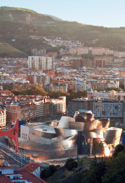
(47, 172)
(70, 164)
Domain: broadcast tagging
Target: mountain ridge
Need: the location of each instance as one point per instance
(19, 24)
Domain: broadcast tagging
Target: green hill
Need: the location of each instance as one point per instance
(7, 50)
(20, 24)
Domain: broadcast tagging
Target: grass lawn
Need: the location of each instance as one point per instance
(86, 162)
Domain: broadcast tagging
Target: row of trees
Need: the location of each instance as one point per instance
(39, 90)
(49, 171)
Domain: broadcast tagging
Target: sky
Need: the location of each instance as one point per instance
(107, 13)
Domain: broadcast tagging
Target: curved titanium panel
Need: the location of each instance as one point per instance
(113, 135)
(63, 133)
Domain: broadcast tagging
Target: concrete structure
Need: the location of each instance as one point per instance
(80, 85)
(119, 54)
(41, 79)
(39, 108)
(102, 61)
(72, 51)
(4, 76)
(36, 52)
(40, 62)
(82, 50)
(56, 87)
(13, 113)
(25, 130)
(98, 51)
(101, 108)
(112, 83)
(2, 117)
(22, 112)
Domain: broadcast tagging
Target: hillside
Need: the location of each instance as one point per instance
(7, 50)
(24, 15)
(19, 24)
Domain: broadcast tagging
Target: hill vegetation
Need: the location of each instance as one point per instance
(20, 24)
(99, 170)
(7, 50)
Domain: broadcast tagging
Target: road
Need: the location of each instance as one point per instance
(12, 158)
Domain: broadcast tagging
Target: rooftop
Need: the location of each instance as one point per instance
(30, 167)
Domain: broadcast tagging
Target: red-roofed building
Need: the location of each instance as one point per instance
(30, 177)
(5, 179)
(8, 175)
(33, 168)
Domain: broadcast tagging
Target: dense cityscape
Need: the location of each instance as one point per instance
(62, 109)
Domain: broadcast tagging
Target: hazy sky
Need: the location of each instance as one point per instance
(108, 13)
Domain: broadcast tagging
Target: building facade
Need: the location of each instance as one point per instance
(40, 62)
(2, 117)
(100, 108)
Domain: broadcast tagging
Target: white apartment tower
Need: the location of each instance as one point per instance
(40, 62)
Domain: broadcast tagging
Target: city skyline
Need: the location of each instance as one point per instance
(99, 13)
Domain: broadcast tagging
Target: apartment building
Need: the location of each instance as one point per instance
(121, 73)
(102, 61)
(111, 95)
(36, 52)
(82, 50)
(76, 63)
(79, 50)
(100, 108)
(13, 112)
(112, 83)
(2, 117)
(72, 51)
(71, 86)
(39, 107)
(98, 51)
(60, 104)
(49, 108)
(80, 86)
(87, 63)
(4, 76)
(40, 62)
(21, 112)
(119, 54)
(116, 60)
(110, 109)
(41, 79)
(28, 111)
(56, 87)
(109, 52)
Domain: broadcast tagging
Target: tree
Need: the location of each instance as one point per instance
(47, 172)
(77, 178)
(96, 171)
(114, 168)
(35, 90)
(70, 164)
(118, 149)
(116, 177)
